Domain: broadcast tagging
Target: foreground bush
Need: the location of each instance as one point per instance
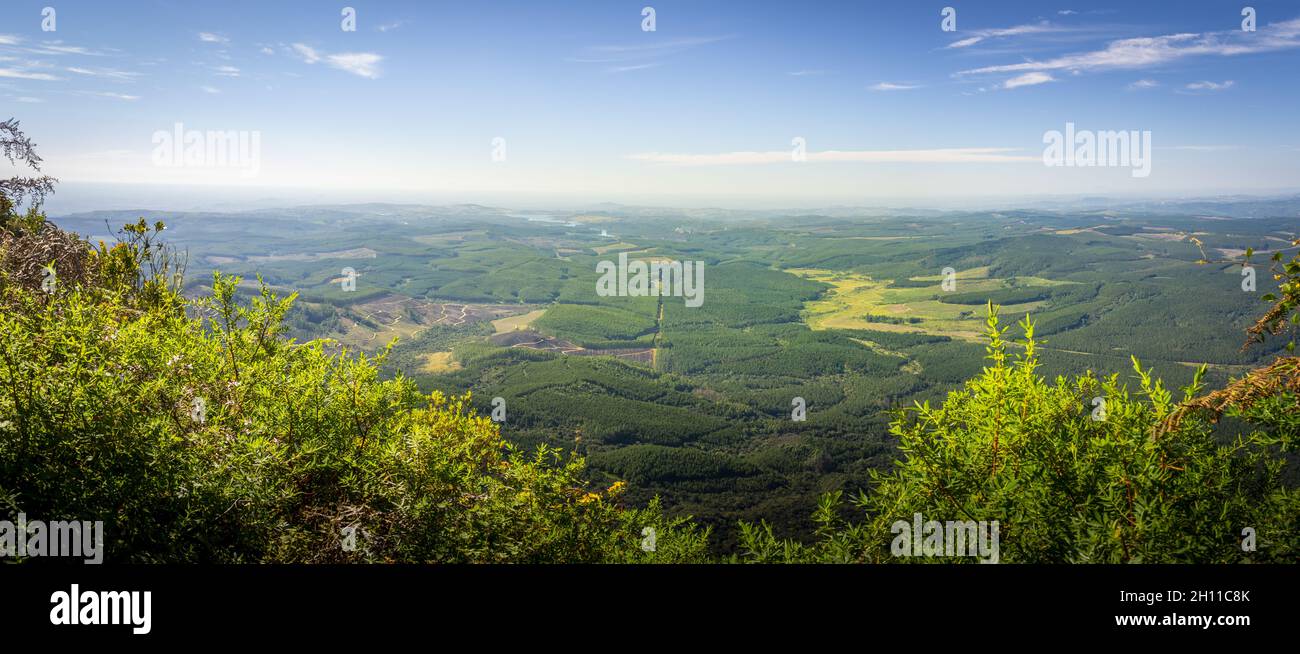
(197, 433)
(1138, 479)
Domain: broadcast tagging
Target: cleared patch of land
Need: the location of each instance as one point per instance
(1161, 236)
(857, 301)
(439, 362)
(377, 321)
(513, 323)
(614, 247)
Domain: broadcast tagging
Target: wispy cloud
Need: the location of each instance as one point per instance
(209, 37)
(52, 48)
(1210, 86)
(19, 73)
(806, 73)
(892, 86)
(227, 71)
(364, 64)
(665, 46)
(1028, 79)
(1143, 84)
(109, 94)
(307, 53)
(624, 69)
(978, 36)
(1147, 52)
(387, 27)
(58, 48)
(210, 90)
(942, 155)
(16, 54)
(637, 56)
(109, 73)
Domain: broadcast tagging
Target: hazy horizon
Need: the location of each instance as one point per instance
(74, 198)
(747, 106)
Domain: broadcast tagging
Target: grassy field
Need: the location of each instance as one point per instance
(440, 362)
(614, 247)
(514, 323)
(857, 301)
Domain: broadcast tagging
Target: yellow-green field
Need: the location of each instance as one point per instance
(439, 362)
(614, 247)
(855, 296)
(522, 321)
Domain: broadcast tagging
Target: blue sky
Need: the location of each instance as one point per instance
(703, 109)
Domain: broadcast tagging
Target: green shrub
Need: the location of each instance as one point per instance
(197, 433)
(1136, 486)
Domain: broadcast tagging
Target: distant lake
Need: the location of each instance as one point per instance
(543, 218)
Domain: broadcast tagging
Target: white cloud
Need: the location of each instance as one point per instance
(391, 26)
(29, 100)
(209, 37)
(1018, 30)
(365, 64)
(624, 69)
(1210, 86)
(227, 71)
(636, 56)
(57, 48)
(891, 86)
(806, 73)
(1145, 52)
(15, 73)
(658, 47)
(1144, 84)
(267, 51)
(209, 89)
(943, 155)
(107, 94)
(966, 42)
(1028, 79)
(103, 72)
(1067, 12)
(306, 53)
